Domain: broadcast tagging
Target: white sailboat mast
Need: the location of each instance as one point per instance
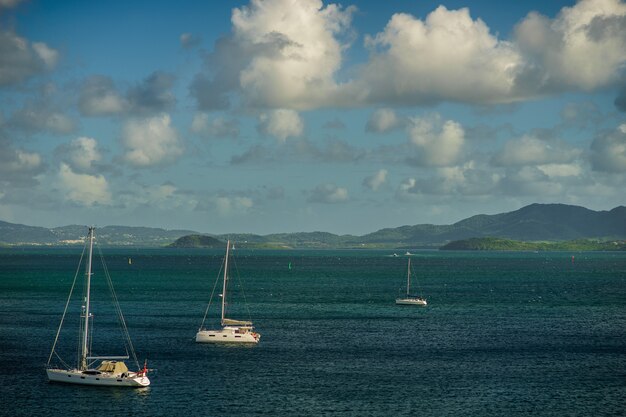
(83, 358)
(225, 278)
(408, 278)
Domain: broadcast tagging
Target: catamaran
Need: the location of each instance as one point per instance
(232, 331)
(410, 299)
(111, 371)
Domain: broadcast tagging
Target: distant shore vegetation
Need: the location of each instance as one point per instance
(499, 244)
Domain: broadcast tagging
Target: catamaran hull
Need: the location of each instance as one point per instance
(226, 336)
(75, 376)
(411, 302)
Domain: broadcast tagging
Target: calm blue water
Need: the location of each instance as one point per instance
(504, 334)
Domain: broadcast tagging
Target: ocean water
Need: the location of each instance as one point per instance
(504, 334)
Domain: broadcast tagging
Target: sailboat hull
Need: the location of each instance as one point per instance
(412, 302)
(75, 376)
(227, 335)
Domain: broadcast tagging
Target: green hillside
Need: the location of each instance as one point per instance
(197, 241)
(492, 243)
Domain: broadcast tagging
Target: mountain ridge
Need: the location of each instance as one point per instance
(534, 222)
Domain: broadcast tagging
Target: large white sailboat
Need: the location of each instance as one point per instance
(410, 299)
(232, 331)
(111, 370)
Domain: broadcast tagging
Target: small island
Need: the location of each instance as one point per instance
(494, 243)
(197, 241)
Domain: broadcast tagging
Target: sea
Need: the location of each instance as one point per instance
(504, 333)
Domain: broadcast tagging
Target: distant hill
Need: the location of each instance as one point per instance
(18, 234)
(536, 222)
(197, 241)
(492, 243)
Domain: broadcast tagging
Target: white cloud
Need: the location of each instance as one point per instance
(281, 124)
(530, 181)
(227, 206)
(584, 47)
(20, 59)
(383, 120)
(529, 150)
(84, 189)
(282, 54)
(217, 127)
(328, 193)
(574, 169)
(20, 161)
(41, 116)
(608, 151)
(407, 190)
(83, 152)
(151, 141)
(98, 96)
(48, 55)
(374, 182)
(448, 56)
(439, 143)
(468, 179)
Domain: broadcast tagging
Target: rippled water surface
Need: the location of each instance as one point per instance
(504, 334)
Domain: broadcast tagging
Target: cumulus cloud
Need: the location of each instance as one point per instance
(83, 189)
(328, 194)
(407, 190)
(608, 151)
(439, 143)
(583, 48)
(383, 120)
(151, 141)
(228, 205)
(448, 56)
(164, 196)
(18, 167)
(282, 54)
(41, 116)
(21, 59)
(153, 94)
(529, 150)
(219, 127)
(468, 179)
(81, 153)
(531, 181)
(374, 182)
(281, 124)
(98, 97)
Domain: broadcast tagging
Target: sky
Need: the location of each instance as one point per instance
(271, 116)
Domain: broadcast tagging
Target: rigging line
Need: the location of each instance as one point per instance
(62, 361)
(67, 303)
(118, 309)
(206, 312)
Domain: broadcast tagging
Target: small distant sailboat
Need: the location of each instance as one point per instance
(130, 261)
(410, 299)
(112, 371)
(232, 331)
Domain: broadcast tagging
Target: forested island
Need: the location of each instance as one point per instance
(197, 241)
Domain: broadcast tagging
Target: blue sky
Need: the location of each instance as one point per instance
(280, 116)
